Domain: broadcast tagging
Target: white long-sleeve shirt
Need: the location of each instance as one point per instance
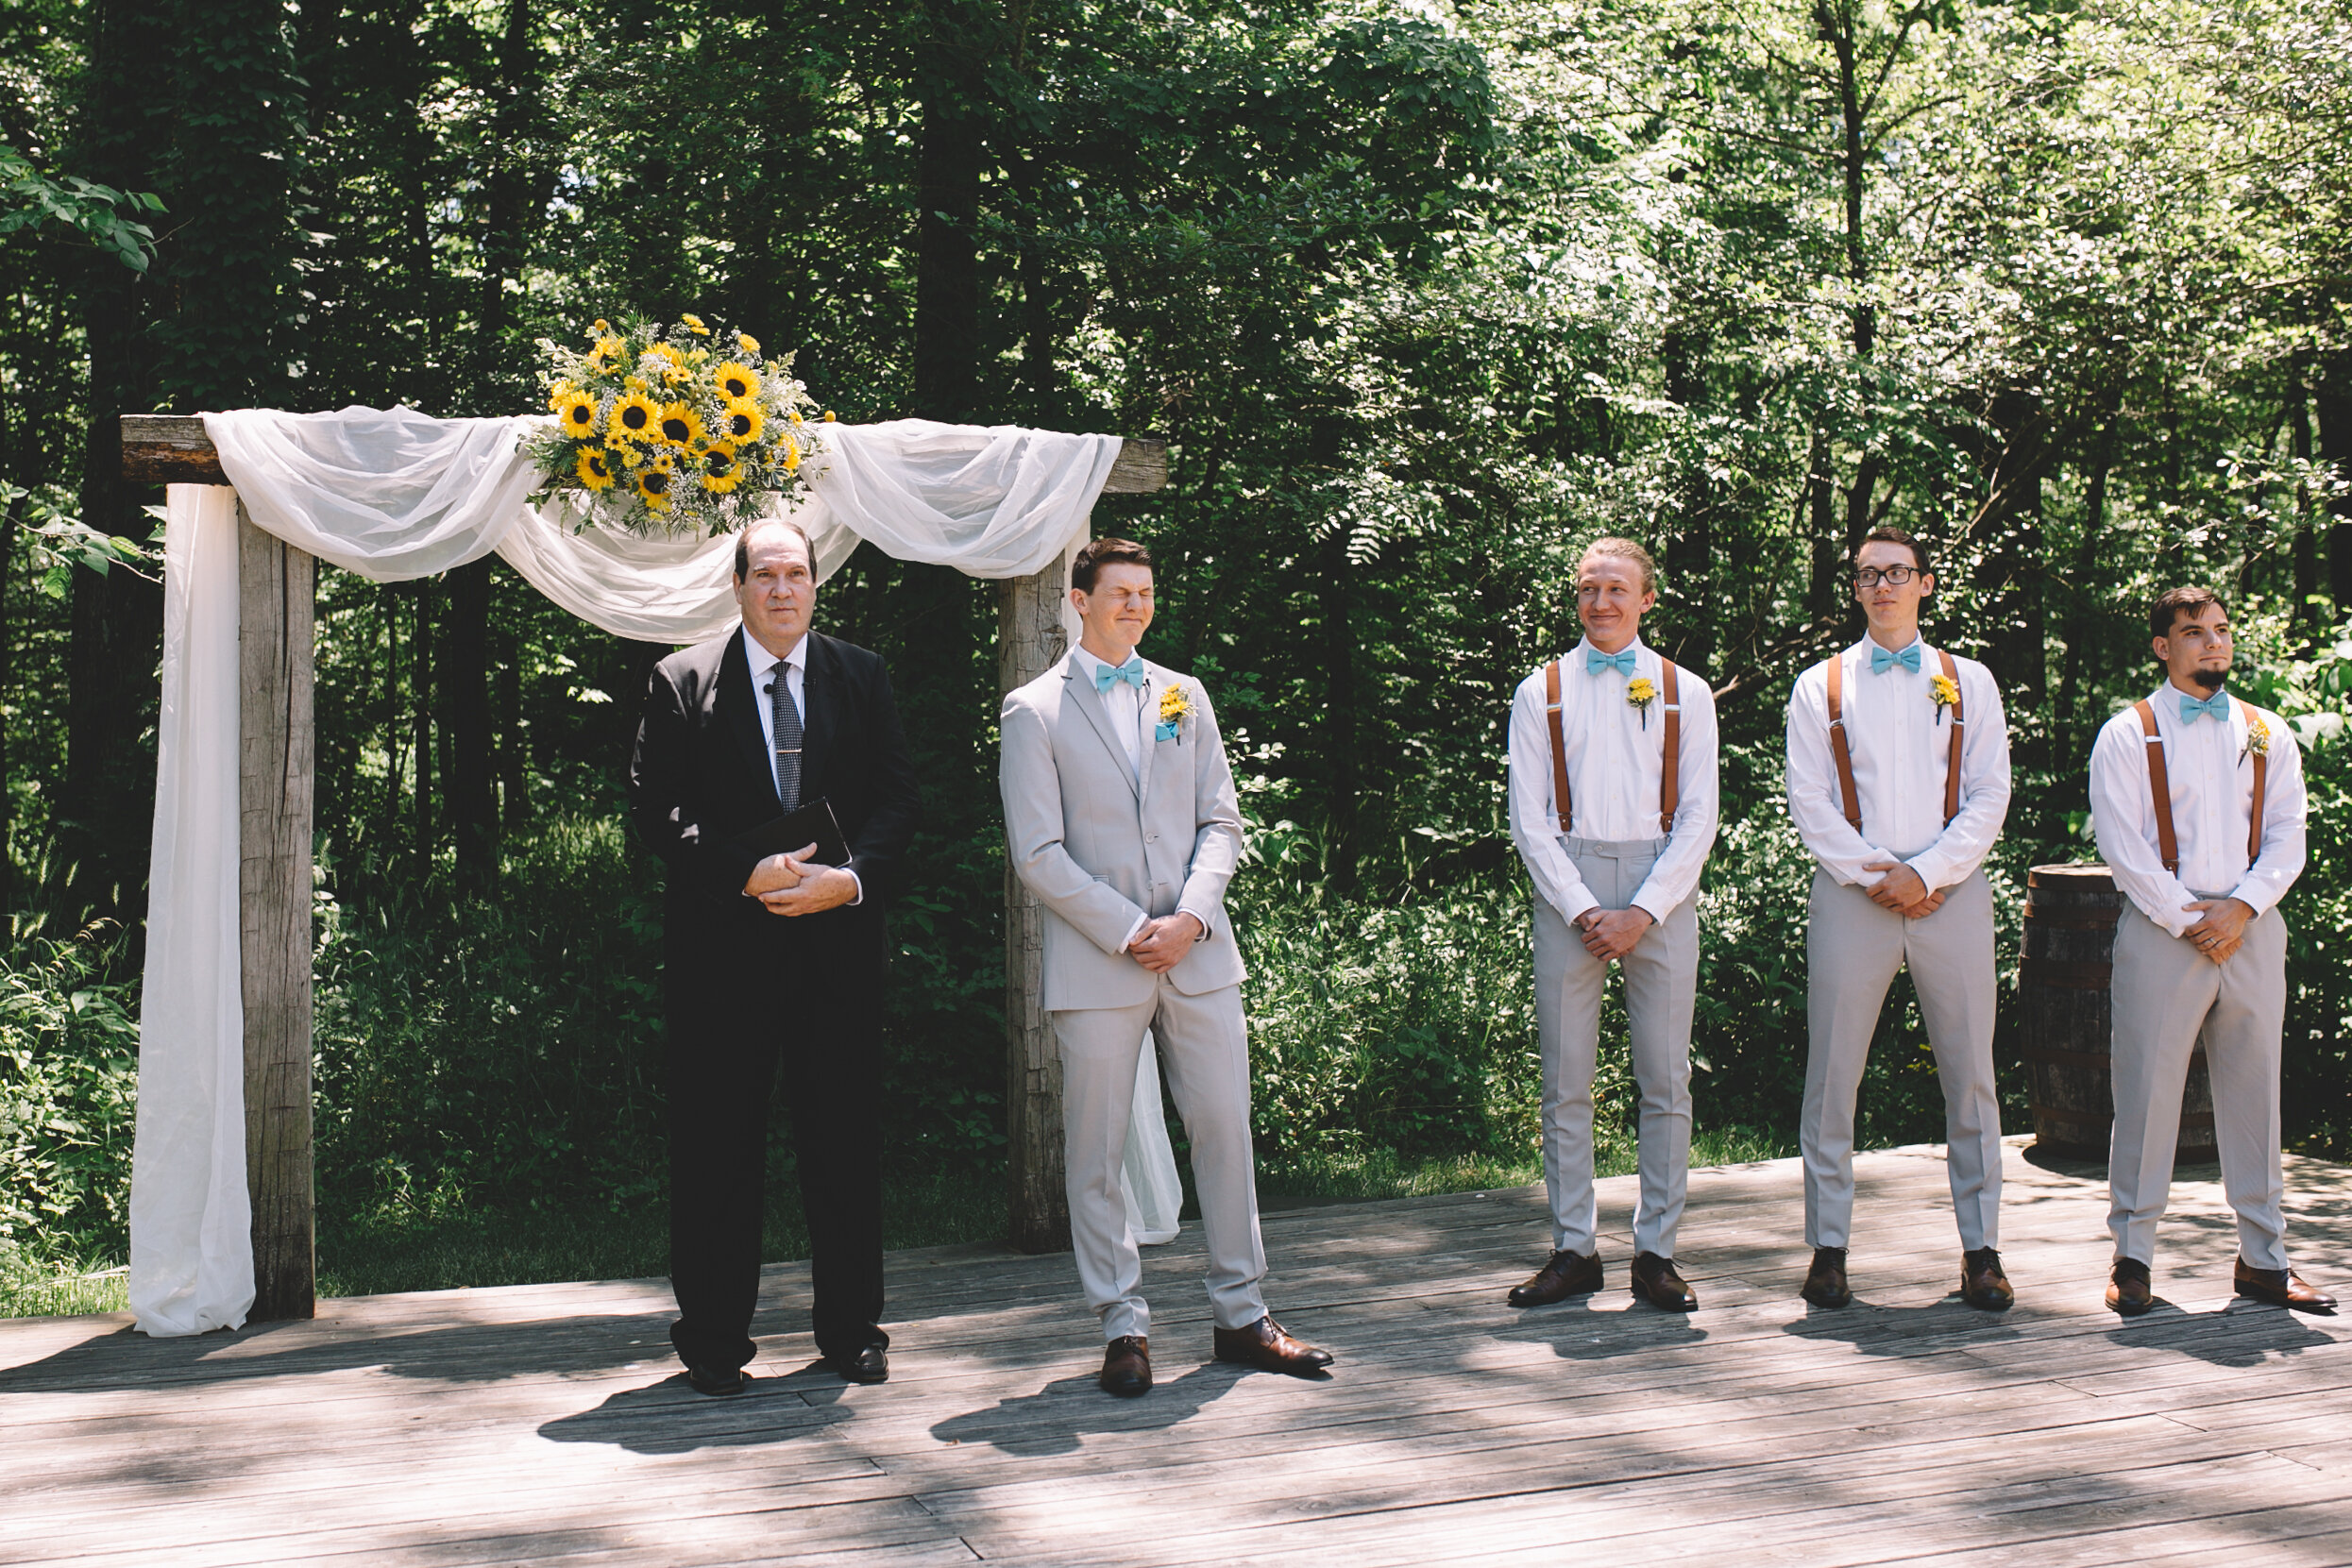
(1901, 742)
(2208, 768)
(1615, 759)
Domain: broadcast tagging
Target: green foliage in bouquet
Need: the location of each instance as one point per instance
(660, 430)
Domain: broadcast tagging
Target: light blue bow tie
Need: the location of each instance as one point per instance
(1107, 676)
(1882, 661)
(1595, 660)
(2217, 704)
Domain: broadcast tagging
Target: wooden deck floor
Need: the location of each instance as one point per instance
(542, 1424)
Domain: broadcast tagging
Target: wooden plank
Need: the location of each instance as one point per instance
(173, 448)
(276, 606)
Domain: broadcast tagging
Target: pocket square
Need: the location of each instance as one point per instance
(1167, 730)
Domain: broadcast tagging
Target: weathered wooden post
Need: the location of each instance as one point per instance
(1029, 640)
(276, 618)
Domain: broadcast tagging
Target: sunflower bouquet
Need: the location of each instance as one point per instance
(659, 429)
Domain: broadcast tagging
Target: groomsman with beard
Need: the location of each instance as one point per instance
(1612, 808)
(1898, 782)
(2197, 801)
(1120, 815)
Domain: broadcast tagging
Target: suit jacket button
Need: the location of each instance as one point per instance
(1151, 838)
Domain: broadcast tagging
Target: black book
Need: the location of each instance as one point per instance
(812, 822)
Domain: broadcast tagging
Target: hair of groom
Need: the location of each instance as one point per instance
(1889, 534)
(1097, 553)
(743, 544)
(1625, 549)
(2172, 603)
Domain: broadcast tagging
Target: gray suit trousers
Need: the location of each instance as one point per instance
(2166, 996)
(1204, 1051)
(1661, 988)
(1852, 950)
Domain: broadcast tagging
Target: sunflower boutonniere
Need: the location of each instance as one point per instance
(1174, 706)
(1943, 691)
(1640, 693)
(2257, 736)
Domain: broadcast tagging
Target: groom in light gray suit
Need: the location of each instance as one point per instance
(1120, 817)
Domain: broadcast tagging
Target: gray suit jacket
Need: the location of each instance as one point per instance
(1099, 847)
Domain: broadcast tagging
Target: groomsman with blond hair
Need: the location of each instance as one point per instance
(2197, 801)
(1612, 808)
(1898, 782)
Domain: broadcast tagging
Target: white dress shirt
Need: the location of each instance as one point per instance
(795, 684)
(1901, 742)
(1615, 755)
(1127, 704)
(2209, 769)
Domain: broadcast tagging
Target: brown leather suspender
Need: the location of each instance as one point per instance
(2160, 790)
(1670, 766)
(1670, 761)
(1558, 746)
(1842, 753)
(1952, 763)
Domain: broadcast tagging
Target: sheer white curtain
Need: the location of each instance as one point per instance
(392, 494)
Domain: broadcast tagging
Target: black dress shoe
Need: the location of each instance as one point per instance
(2130, 1293)
(1825, 1281)
(716, 1381)
(1567, 1274)
(866, 1364)
(1983, 1284)
(1656, 1282)
(2283, 1287)
(1126, 1367)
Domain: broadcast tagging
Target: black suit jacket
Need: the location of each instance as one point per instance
(702, 774)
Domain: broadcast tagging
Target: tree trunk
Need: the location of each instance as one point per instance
(472, 801)
(1338, 721)
(2331, 408)
(420, 720)
(947, 261)
(1829, 559)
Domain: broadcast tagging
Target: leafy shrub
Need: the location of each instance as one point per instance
(69, 1043)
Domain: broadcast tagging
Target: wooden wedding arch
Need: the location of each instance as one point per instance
(275, 589)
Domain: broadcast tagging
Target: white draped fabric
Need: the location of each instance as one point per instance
(392, 495)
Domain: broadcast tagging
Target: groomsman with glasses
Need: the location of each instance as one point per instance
(1898, 782)
(1612, 808)
(2197, 801)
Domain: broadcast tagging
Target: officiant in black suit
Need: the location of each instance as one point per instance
(775, 964)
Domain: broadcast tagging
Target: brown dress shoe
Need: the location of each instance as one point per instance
(1825, 1281)
(1655, 1282)
(1263, 1345)
(1127, 1367)
(1983, 1284)
(2128, 1290)
(1568, 1273)
(2282, 1288)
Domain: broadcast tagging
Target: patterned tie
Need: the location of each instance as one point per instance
(1595, 660)
(787, 718)
(2217, 706)
(1882, 661)
(1107, 676)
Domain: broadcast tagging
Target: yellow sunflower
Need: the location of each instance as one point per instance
(680, 424)
(721, 473)
(744, 422)
(694, 325)
(791, 456)
(653, 485)
(673, 367)
(736, 383)
(595, 469)
(749, 343)
(634, 417)
(608, 348)
(576, 410)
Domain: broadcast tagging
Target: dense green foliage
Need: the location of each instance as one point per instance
(1426, 295)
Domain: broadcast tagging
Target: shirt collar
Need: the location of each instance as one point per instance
(762, 661)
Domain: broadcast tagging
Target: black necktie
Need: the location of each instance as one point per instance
(788, 721)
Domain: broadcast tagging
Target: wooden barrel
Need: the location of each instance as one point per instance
(2062, 1001)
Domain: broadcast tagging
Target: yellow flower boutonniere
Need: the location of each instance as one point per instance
(1943, 691)
(1640, 693)
(2258, 735)
(1172, 708)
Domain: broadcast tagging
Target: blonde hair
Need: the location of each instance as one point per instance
(1624, 549)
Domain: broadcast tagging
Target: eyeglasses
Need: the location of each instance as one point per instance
(1871, 577)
